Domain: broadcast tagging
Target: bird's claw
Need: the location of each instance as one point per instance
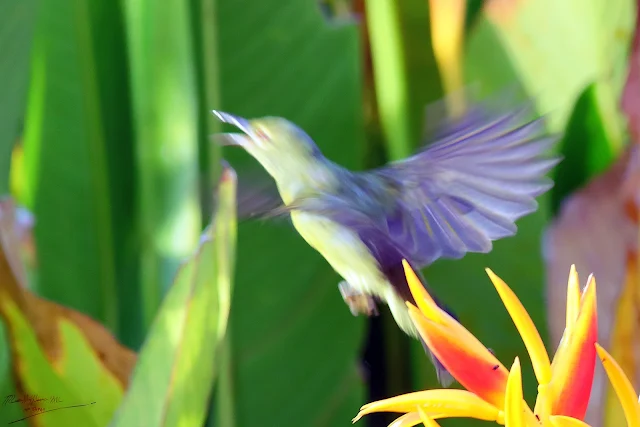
(357, 301)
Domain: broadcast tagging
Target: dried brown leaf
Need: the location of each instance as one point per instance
(44, 315)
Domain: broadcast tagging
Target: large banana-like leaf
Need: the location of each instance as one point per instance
(165, 119)
(78, 162)
(529, 43)
(405, 75)
(294, 345)
(15, 42)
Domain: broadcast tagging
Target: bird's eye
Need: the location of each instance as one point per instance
(261, 134)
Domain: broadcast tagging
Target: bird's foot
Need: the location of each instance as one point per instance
(357, 301)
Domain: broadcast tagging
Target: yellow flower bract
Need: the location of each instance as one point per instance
(498, 396)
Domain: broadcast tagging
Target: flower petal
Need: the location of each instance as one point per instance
(427, 421)
(410, 419)
(543, 402)
(439, 403)
(622, 386)
(448, 35)
(475, 367)
(526, 328)
(513, 408)
(623, 338)
(573, 299)
(425, 303)
(574, 363)
(562, 421)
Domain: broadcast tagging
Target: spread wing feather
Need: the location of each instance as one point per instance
(468, 188)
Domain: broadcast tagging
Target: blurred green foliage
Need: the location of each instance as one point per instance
(173, 378)
(118, 167)
(595, 120)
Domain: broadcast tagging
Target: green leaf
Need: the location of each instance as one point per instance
(174, 376)
(15, 45)
(405, 73)
(294, 344)
(591, 142)
(166, 122)
(473, 11)
(555, 65)
(78, 158)
(204, 30)
(487, 65)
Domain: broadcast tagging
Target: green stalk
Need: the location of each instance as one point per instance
(390, 72)
(206, 54)
(405, 74)
(222, 408)
(164, 95)
(15, 39)
(69, 140)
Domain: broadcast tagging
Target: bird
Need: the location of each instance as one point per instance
(465, 187)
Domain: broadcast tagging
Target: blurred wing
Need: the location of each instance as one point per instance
(469, 186)
(257, 200)
(257, 195)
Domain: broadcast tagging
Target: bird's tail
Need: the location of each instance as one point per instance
(397, 305)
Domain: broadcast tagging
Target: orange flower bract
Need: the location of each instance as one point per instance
(492, 392)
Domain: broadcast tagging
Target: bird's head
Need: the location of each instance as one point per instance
(280, 146)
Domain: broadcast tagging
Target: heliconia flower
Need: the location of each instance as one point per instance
(514, 407)
(492, 392)
(427, 421)
(573, 366)
(564, 421)
(468, 360)
(622, 386)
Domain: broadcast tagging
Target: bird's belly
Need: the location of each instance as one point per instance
(343, 250)
(351, 259)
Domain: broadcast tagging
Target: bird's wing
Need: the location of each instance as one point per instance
(256, 198)
(257, 195)
(468, 187)
(463, 191)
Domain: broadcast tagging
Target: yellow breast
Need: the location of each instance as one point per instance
(343, 249)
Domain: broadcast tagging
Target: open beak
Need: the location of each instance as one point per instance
(231, 139)
(237, 121)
